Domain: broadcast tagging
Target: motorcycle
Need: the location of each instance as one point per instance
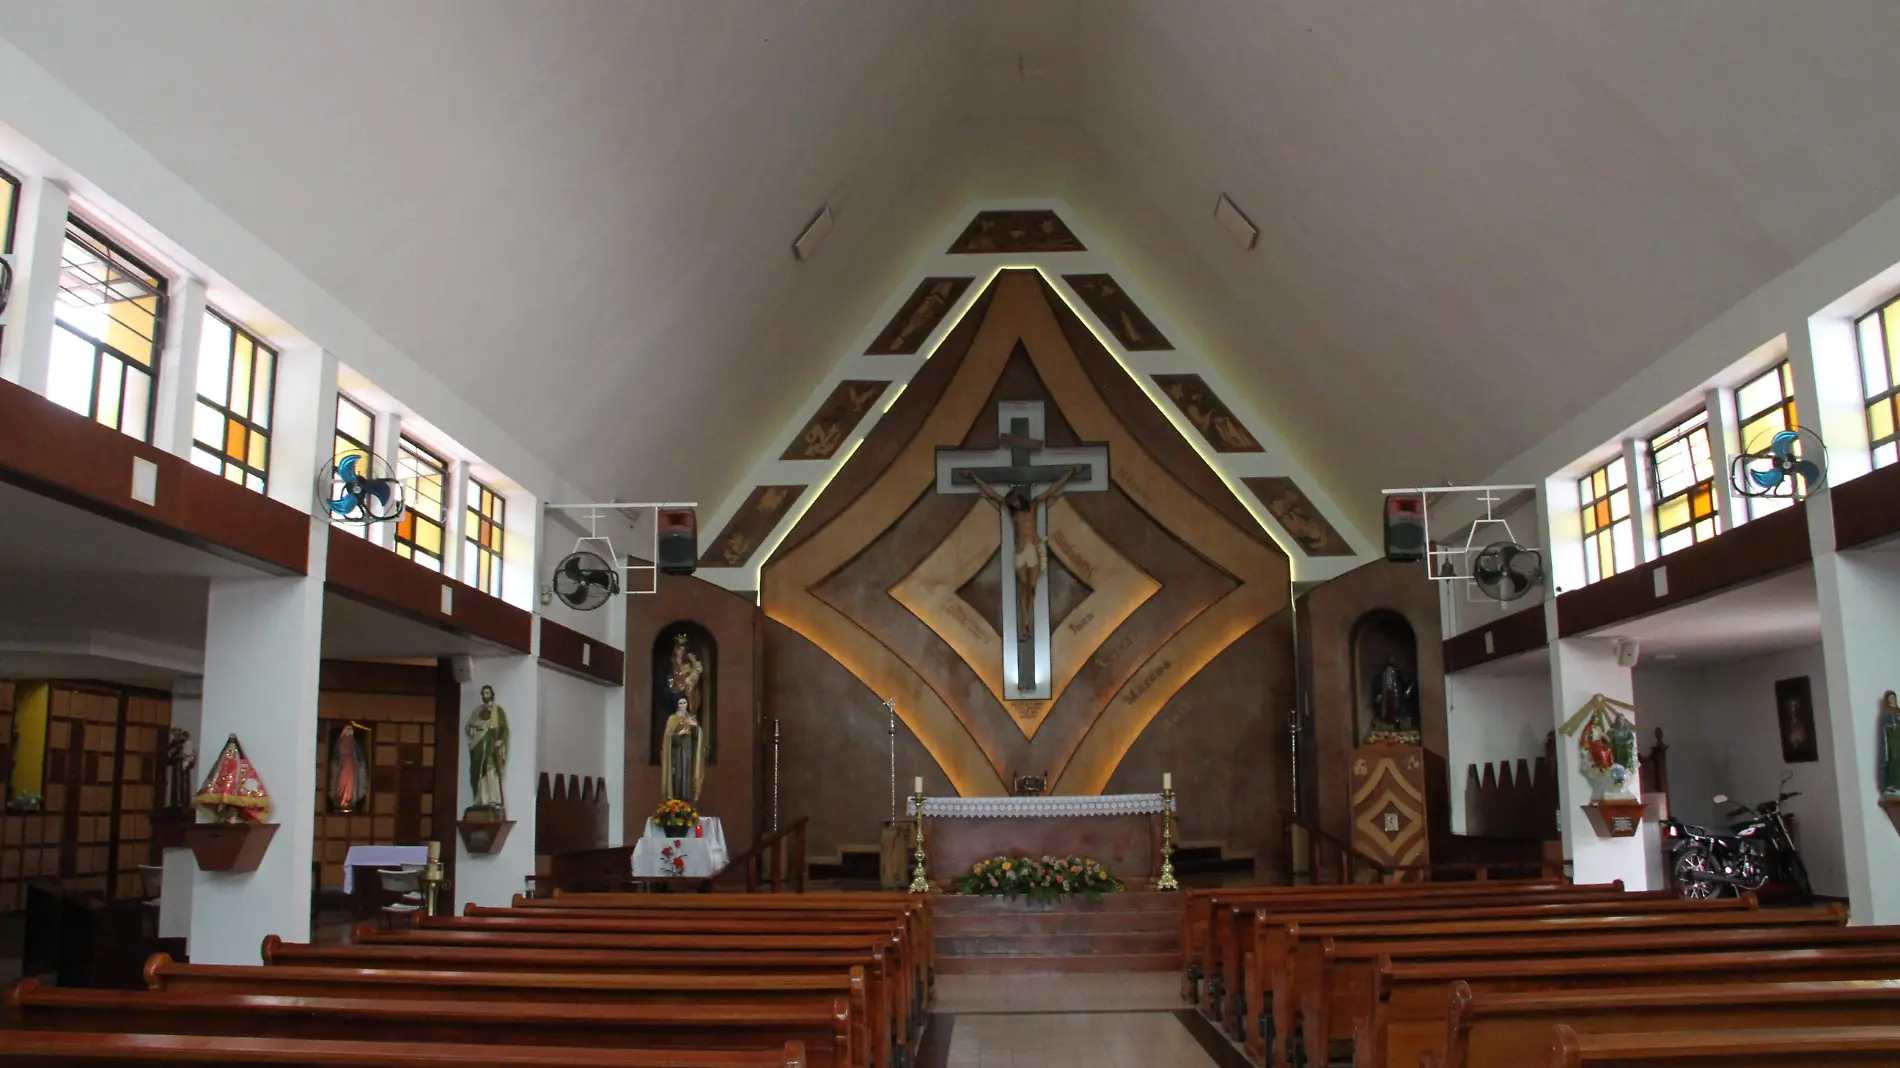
(1705, 864)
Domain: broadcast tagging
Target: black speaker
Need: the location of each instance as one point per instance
(679, 541)
(1405, 528)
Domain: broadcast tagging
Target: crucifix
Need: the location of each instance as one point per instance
(1022, 477)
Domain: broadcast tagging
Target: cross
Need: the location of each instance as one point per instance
(1023, 464)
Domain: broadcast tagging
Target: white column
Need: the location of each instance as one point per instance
(303, 423)
(1860, 627)
(1579, 669)
(1642, 500)
(388, 435)
(613, 701)
(494, 878)
(38, 241)
(181, 872)
(454, 517)
(263, 644)
(177, 395)
(1724, 445)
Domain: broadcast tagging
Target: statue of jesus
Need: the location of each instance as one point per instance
(1032, 554)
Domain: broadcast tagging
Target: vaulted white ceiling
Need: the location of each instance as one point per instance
(1476, 215)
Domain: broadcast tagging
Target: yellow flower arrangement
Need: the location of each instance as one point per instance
(1047, 878)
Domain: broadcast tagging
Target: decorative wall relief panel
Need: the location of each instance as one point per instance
(1112, 305)
(835, 419)
(1145, 580)
(1298, 516)
(932, 300)
(750, 526)
(1210, 416)
(1017, 231)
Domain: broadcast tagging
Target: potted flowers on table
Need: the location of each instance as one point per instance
(675, 818)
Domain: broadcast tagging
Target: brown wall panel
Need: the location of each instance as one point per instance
(374, 575)
(1521, 631)
(1867, 508)
(48, 449)
(576, 653)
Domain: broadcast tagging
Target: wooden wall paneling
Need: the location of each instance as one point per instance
(1519, 632)
(570, 813)
(1774, 543)
(403, 754)
(577, 654)
(1866, 509)
(369, 677)
(374, 575)
(918, 317)
(446, 803)
(48, 449)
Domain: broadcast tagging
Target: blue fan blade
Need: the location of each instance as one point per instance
(346, 470)
(1808, 470)
(1768, 479)
(380, 489)
(345, 505)
(1783, 444)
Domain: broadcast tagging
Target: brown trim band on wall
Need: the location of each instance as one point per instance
(1755, 550)
(367, 572)
(70, 458)
(1866, 509)
(1519, 632)
(577, 654)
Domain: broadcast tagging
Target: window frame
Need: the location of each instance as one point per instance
(484, 534)
(338, 439)
(1683, 430)
(252, 427)
(17, 189)
(109, 249)
(1597, 532)
(1756, 507)
(405, 545)
(1888, 396)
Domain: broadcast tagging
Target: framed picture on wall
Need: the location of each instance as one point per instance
(1794, 706)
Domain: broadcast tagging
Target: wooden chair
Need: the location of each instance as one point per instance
(405, 884)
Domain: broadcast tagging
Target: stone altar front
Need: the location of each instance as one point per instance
(1122, 831)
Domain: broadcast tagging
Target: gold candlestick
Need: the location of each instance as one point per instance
(918, 883)
(1166, 882)
(432, 877)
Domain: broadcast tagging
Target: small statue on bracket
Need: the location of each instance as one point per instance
(181, 762)
(487, 734)
(1889, 778)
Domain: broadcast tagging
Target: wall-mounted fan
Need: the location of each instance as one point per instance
(1788, 463)
(583, 581)
(1505, 570)
(357, 487)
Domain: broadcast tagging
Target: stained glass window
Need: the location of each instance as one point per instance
(230, 427)
(111, 327)
(1609, 545)
(485, 527)
(424, 477)
(9, 216)
(1879, 334)
(1682, 470)
(355, 430)
(1764, 406)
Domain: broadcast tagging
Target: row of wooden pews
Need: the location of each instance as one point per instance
(1513, 974)
(697, 981)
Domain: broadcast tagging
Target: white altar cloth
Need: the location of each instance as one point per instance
(705, 854)
(994, 807)
(379, 856)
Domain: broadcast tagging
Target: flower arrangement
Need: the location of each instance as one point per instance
(675, 814)
(1040, 878)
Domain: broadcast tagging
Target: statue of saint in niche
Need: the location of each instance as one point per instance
(684, 676)
(682, 756)
(349, 769)
(1394, 701)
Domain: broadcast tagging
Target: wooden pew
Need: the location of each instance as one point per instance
(890, 1019)
(1332, 986)
(79, 1049)
(736, 1025)
(1508, 1030)
(594, 987)
(1285, 953)
(1412, 999)
(1805, 1047)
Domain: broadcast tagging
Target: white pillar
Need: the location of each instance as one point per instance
(388, 437)
(1642, 500)
(303, 422)
(181, 872)
(454, 516)
(494, 878)
(38, 241)
(1579, 669)
(177, 395)
(1724, 445)
(1860, 625)
(263, 644)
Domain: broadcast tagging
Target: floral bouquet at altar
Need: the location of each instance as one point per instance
(1043, 879)
(675, 817)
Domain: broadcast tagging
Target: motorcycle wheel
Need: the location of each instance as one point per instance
(1798, 876)
(1691, 871)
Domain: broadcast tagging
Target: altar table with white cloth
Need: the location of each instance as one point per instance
(379, 856)
(705, 853)
(1122, 831)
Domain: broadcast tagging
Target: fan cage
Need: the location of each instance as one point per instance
(633, 513)
(1453, 563)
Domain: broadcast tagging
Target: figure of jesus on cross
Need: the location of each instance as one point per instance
(1032, 550)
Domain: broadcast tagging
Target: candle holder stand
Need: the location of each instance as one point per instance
(919, 883)
(1166, 881)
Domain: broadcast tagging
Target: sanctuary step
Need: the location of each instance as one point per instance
(1129, 932)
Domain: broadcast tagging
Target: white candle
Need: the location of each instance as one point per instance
(920, 785)
(435, 852)
(1167, 780)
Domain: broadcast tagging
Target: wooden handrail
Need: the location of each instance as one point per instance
(775, 859)
(1348, 860)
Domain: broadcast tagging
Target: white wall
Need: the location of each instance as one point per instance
(1724, 737)
(1493, 718)
(573, 725)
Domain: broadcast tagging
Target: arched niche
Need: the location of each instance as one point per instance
(699, 643)
(1382, 638)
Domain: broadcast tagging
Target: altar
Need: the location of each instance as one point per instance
(1122, 831)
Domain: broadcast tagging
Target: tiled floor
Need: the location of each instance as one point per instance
(1075, 1040)
(1083, 992)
